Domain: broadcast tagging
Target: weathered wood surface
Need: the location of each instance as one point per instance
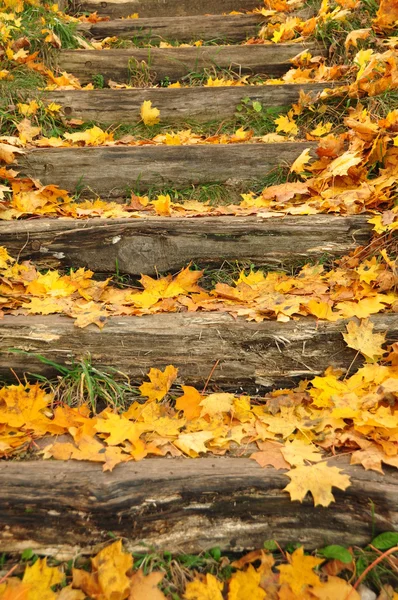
(175, 104)
(187, 505)
(167, 244)
(162, 8)
(268, 353)
(175, 63)
(109, 170)
(217, 28)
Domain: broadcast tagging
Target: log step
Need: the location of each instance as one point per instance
(110, 170)
(270, 354)
(175, 63)
(187, 505)
(167, 244)
(199, 104)
(161, 8)
(217, 28)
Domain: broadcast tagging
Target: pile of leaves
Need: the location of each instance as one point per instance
(114, 574)
(353, 289)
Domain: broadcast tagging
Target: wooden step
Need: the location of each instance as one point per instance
(162, 8)
(217, 28)
(110, 170)
(175, 63)
(201, 104)
(270, 354)
(159, 244)
(182, 505)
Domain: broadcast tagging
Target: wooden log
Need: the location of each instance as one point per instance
(183, 505)
(215, 28)
(162, 8)
(168, 244)
(175, 63)
(269, 354)
(175, 104)
(110, 170)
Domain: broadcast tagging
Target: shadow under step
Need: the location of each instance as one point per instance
(176, 63)
(110, 171)
(158, 245)
(270, 354)
(201, 104)
(161, 8)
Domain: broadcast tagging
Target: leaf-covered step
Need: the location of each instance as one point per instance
(216, 28)
(176, 63)
(270, 353)
(167, 244)
(200, 104)
(189, 504)
(111, 170)
(162, 8)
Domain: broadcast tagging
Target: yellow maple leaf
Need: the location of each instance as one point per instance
(160, 383)
(301, 161)
(246, 584)
(145, 587)
(149, 115)
(321, 129)
(28, 109)
(299, 574)
(162, 205)
(317, 479)
(334, 588)
(207, 588)
(189, 403)
(341, 164)
(296, 452)
(353, 37)
(52, 108)
(286, 124)
(369, 270)
(41, 578)
(361, 338)
(111, 565)
(193, 444)
(216, 404)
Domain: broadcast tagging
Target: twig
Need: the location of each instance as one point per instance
(369, 568)
(2, 580)
(211, 375)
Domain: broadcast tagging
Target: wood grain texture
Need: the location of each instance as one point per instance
(176, 105)
(160, 244)
(109, 170)
(162, 8)
(217, 28)
(183, 505)
(175, 63)
(269, 354)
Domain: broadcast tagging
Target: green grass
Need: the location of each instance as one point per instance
(82, 382)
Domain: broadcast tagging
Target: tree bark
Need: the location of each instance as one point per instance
(175, 104)
(110, 170)
(249, 354)
(182, 505)
(159, 244)
(175, 63)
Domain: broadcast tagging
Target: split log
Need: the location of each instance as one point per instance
(269, 354)
(183, 505)
(158, 244)
(110, 170)
(162, 8)
(215, 28)
(175, 63)
(175, 104)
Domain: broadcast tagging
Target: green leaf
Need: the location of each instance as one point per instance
(258, 107)
(336, 552)
(216, 553)
(27, 554)
(270, 545)
(386, 540)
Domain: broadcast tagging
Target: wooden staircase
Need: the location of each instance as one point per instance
(196, 504)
